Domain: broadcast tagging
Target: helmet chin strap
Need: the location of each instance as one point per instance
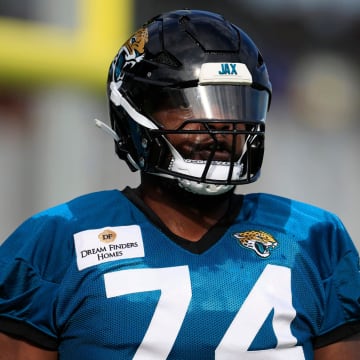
(203, 188)
(108, 130)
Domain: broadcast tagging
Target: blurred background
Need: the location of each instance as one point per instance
(54, 57)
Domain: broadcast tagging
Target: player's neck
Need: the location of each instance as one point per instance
(185, 214)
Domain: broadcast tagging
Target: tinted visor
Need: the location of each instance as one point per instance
(227, 102)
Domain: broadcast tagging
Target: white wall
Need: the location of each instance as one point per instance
(60, 155)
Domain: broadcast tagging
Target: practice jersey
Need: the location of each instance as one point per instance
(99, 278)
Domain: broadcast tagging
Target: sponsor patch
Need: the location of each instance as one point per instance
(98, 246)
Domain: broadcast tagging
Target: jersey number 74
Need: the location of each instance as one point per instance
(175, 299)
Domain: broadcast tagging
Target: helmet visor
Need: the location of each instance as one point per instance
(221, 102)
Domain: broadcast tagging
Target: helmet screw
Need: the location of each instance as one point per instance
(141, 162)
(148, 74)
(144, 143)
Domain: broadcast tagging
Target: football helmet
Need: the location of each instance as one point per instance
(209, 70)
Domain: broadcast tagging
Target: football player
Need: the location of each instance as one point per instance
(182, 267)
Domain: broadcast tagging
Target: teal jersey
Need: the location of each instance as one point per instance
(100, 278)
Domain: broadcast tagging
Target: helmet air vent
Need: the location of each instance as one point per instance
(166, 59)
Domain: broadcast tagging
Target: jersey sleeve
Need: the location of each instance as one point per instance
(342, 289)
(31, 262)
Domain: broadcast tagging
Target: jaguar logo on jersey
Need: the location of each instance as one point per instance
(260, 242)
(107, 236)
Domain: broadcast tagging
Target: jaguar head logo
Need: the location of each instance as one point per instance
(260, 242)
(136, 43)
(130, 54)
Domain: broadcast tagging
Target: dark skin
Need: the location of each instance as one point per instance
(16, 349)
(186, 215)
(189, 216)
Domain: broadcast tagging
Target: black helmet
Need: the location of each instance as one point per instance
(198, 60)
